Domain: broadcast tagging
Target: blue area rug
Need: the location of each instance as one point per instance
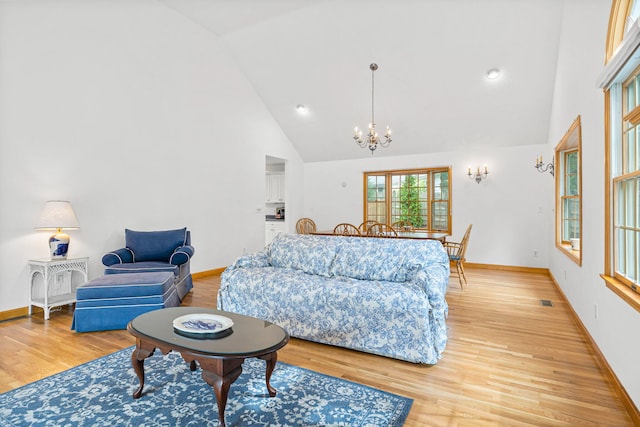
(98, 393)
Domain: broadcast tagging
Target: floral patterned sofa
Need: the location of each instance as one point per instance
(382, 296)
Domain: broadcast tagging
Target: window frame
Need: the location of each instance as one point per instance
(621, 174)
(571, 142)
(622, 44)
(431, 202)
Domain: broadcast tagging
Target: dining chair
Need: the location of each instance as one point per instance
(364, 227)
(346, 229)
(381, 230)
(456, 253)
(305, 226)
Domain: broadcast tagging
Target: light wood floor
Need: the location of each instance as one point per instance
(509, 360)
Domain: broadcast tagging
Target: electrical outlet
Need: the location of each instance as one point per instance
(535, 253)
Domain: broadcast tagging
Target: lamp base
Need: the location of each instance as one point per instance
(59, 245)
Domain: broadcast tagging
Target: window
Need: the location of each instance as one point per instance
(568, 189)
(421, 197)
(626, 184)
(621, 83)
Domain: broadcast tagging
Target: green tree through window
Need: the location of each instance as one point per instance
(410, 202)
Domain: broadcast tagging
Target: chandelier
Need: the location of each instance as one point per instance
(372, 139)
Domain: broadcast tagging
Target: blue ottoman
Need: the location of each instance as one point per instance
(113, 300)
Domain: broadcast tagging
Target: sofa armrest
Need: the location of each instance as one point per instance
(181, 255)
(433, 281)
(256, 259)
(119, 256)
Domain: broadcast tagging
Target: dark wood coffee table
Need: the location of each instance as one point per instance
(220, 359)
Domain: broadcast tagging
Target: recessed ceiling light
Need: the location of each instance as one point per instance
(493, 73)
(301, 109)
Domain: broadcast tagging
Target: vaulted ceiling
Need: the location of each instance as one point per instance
(432, 55)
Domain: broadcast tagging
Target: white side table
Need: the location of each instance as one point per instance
(49, 269)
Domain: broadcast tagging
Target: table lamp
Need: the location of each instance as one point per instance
(58, 215)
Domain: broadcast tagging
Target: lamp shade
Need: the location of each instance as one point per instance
(57, 214)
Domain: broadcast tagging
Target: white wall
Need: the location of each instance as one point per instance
(509, 210)
(137, 116)
(580, 63)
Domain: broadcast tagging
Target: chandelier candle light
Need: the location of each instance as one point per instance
(372, 139)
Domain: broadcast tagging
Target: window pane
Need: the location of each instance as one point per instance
(572, 162)
(629, 150)
(571, 173)
(441, 186)
(627, 228)
(406, 198)
(636, 86)
(632, 150)
(376, 196)
(631, 96)
(630, 202)
(620, 245)
(570, 218)
(375, 188)
(440, 216)
(631, 255)
(572, 185)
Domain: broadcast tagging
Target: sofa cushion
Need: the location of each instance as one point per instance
(142, 267)
(310, 254)
(154, 245)
(126, 285)
(370, 259)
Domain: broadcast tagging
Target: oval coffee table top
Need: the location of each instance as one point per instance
(250, 337)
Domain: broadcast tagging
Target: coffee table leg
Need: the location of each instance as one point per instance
(220, 375)
(137, 361)
(271, 360)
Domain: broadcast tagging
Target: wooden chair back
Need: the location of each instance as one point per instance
(457, 253)
(364, 227)
(381, 230)
(305, 226)
(464, 243)
(346, 229)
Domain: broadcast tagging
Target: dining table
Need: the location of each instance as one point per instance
(402, 234)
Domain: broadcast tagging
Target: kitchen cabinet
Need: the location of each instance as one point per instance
(274, 191)
(272, 229)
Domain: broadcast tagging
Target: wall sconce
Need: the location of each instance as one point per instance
(478, 175)
(542, 168)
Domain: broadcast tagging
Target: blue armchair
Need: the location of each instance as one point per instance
(153, 251)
